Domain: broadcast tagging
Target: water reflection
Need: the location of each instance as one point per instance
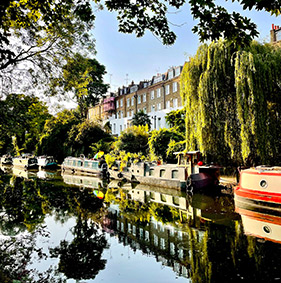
(260, 219)
(68, 229)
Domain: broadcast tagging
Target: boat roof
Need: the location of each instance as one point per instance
(187, 152)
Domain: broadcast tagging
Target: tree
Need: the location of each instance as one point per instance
(134, 140)
(141, 119)
(53, 28)
(22, 117)
(83, 77)
(55, 133)
(176, 120)
(159, 141)
(232, 100)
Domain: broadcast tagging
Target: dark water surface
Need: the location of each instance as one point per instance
(79, 229)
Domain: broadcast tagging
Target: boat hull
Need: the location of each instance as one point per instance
(262, 184)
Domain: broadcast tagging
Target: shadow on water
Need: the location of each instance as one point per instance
(197, 236)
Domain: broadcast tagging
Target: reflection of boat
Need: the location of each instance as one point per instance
(83, 181)
(261, 183)
(260, 219)
(26, 161)
(83, 165)
(6, 159)
(43, 174)
(186, 173)
(46, 162)
(19, 172)
(6, 168)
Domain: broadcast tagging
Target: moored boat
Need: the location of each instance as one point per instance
(6, 159)
(27, 161)
(82, 165)
(261, 183)
(47, 162)
(186, 173)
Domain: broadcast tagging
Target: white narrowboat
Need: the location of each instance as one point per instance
(25, 161)
(82, 165)
(187, 173)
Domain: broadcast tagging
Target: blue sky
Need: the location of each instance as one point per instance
(129, 58)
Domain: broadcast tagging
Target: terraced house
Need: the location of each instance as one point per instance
(156, 97)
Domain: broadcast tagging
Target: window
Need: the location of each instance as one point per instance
(120, 128)
(159, 123)
(114, 128)
(122, 114)
(152, 108)
(152, 94)
(167, 89)
(117, 104)
(175, 174)
(139, 99)
(158, 92)
(144, 97)
(159, 106)
(162, 172)
(175, 103)
(132, 113)
(168, 105)
(121, 102)
(128, 114)
(170, 74)
(144, 110)
(132, 101)
(128, 102)
(177, 71)
(175, 86)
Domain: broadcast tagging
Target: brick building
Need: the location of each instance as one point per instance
(156, 97)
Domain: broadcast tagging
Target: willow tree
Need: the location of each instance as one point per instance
(233, 102)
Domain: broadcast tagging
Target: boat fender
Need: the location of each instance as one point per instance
(120, 175)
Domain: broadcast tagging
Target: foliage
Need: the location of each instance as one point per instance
(141, 119)
(214, 21)
(83, 77)
(45, 34)
(22, 117)
(232, 102)
(38, 36)
(55, 135)
(133, 139)
(176, 120)
(159, 141)
(83, 137)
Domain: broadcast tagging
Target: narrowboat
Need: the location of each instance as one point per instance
(82, 165)
(187, 173)
(261, 183)
(47, 162)
(26, 161)
(6, 159)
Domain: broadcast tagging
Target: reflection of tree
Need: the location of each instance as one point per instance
(81, 259)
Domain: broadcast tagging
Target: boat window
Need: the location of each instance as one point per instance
(162, 172)
(95, 165)
(151, 172)
(80, 163)
(86, 164)
(176, 201)
(163, 198)
(152, 195)
(175, 174)
(74, 162)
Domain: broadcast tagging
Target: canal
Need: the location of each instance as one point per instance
(68, 228)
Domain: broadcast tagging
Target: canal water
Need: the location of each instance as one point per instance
(71, 228)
